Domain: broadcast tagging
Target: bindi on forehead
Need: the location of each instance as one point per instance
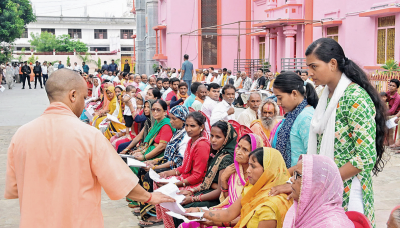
(269, 108)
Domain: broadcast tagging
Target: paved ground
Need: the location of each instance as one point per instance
(18, 107)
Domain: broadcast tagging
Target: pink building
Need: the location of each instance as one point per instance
(243, 34)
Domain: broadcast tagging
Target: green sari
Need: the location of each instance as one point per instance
(150, 137)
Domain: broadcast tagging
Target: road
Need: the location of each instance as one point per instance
(21, 106)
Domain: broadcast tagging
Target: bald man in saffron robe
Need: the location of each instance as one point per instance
(58, 171)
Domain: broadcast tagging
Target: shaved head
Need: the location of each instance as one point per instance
(68, 87)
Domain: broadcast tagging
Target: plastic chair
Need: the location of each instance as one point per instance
(244, 130)
(236, 126)
(208, 123)
(359, 220)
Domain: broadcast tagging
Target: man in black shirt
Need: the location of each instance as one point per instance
(127, 68)
(37, 70)
(26, 70)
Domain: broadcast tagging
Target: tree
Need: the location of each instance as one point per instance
(68, 60)
(6, 53)
(87, 58)
(98, 63)
(14, 15)
(32, 59)
(44, 42)
(390, 66)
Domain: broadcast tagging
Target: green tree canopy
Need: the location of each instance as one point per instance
(14, 15)
(46, 42)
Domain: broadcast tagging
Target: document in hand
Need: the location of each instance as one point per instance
(196, 214)
(135, 163)
(156, 177)
(113, 118)
(175, 207)
(390, 123)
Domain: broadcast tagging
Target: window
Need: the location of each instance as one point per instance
(261, 46)
(26, 48)
(100, 33)
(25, 33)
(126, 48)
(126, 33)
(49, 30)
(99, 48)
(209, 43)
(75, 33)
(385, 40)
(333, 33)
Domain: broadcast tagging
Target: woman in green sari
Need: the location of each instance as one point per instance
(158, 136)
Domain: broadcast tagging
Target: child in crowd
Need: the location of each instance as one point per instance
(130, 106)
(383, 97)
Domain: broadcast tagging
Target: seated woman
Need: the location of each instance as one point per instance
(190, 173)
(234, 178)
(113, 109)
(317, 190)
(159, 135)
(132, 127)
(255, 207)
(298, 99)
(94, 99)
(116, 127)
(223, 142)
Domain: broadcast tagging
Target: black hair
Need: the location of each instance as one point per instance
(298, 72)
(213, 86)
(165, 80)
(222, 125)
(105, 62)
(172, 80)
(261, 69)
(383, 94)
(106, 80)
(124, 74)
(289, 81)
(198, 117)
(160, 79)
(212, 68)
(194, 86)
(162, 103)
(130, 88)
(246, 137)
(156, 93)
(267, 70)
(326, 49)
(228, 86)
(259, 155)
(186, 56)
(224, 69)
(305, 72)
(282, 71)
(395, 81)
(182, 84)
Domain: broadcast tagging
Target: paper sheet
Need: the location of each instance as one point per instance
(113, 118)
(125, 155)
(171, 190)
(135, 163)
(390, 123)
(156, 177)
(2, 88)
(178, 216)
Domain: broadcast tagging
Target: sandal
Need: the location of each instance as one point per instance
(136, 213)
(150, 225)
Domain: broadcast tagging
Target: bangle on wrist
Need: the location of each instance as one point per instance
(224, 190)
(149, 199)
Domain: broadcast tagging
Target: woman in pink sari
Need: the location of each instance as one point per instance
(317, 193)
(233, 179)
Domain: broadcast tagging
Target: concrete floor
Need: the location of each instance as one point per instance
(18, 107)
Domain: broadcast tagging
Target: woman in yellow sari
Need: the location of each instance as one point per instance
(255, 207)
(113, 107)
(116, 127)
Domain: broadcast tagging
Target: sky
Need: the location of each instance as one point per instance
(95, 8)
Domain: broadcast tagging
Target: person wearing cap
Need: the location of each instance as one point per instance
(112, 67)
(127, 67)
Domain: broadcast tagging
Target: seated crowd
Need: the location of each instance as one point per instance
(282, 162)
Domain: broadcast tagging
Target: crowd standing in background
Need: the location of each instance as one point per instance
(302, 153)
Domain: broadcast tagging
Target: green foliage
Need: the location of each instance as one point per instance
(68, 60)
(117, 61)
(390, 66)
(46, 42)
(98, 63)
(14, 15)
(155, 67)
(87, 58)
(7, 53)
(32, 59)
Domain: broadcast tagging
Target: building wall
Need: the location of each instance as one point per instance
(357, 35)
